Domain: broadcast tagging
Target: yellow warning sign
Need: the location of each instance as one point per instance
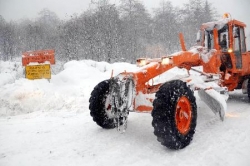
(38, 71)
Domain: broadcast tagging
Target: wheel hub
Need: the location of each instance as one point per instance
(183, 115)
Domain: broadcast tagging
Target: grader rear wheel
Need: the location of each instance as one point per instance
(174, 115)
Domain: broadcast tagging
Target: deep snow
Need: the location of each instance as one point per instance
(48, 123)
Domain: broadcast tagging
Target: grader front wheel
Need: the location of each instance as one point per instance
(100, 107)
(174, 115)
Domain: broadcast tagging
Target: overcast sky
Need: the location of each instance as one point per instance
(18, 9)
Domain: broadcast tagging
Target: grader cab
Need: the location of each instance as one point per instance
(172, 103)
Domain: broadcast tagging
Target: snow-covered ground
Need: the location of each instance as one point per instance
(48, 123)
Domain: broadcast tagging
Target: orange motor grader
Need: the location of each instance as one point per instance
(172, 103)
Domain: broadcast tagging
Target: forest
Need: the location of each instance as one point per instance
(107, 32)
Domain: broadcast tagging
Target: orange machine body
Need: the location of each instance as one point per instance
(40, 56)
(236, 59)
(233, 64)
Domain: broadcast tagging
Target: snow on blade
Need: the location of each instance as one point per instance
(215, 101)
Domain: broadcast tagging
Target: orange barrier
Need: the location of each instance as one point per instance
(39, 56)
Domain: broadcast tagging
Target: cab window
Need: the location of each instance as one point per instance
(209, 40)
(223, 38)
(239, 39)
(242, 40)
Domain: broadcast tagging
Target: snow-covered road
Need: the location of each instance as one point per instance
(67, 135)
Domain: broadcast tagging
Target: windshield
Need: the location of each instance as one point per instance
(222, 37)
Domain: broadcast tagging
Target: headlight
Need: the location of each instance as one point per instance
(166, 61)
(230, 50)
(141, 62)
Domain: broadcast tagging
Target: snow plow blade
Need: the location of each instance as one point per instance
(215, 101)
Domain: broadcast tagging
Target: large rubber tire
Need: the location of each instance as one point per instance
(174, 115)
(98, 105)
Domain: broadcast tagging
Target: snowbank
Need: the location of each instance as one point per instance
(69, 89)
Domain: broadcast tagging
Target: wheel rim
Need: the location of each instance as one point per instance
(183, 115)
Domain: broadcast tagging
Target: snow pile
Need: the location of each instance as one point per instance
(9, 72)
(69, 89)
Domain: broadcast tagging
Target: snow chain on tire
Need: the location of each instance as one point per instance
(121, 90)
(165, 115)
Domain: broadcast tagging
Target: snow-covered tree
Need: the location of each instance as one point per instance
(7, 39)
(194, 14)
(166, 27)
(106, 32)
(136, 29)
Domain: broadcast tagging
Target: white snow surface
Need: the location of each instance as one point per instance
(48, 123)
